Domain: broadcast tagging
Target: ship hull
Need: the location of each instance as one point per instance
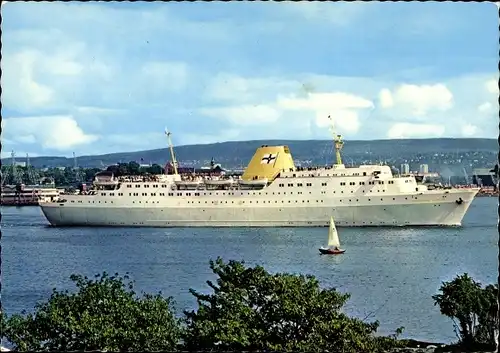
(417, 213)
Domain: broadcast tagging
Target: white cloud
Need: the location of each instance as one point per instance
(385, 98)
(98, 110)
(346, 120)
(234, 88)
(226, 135)
(469, 130)
(20, 88)
(420, 99)
(342, 107)
(171, 76)
(485, 107)
(409, 130)
(492, 86)
(325, 101)
(245, 115)
(56, 132)
(336, 13)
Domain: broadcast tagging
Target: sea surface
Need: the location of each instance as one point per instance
(391, 273)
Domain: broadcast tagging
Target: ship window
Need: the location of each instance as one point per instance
(380, 181)
(342, 183)
(294, 175)
(352, 183)
(299, 184)
(290, 185)
(103, 194)
(137, 185)
(129, 186)
(164, 186)
(323, 184)
(72, 201)
(308, 184)
(369, 199)
(153, 194)
(155, 186)
(129, 194)
(111, 194)
(364, 173)
(146, 185)
(361, 183)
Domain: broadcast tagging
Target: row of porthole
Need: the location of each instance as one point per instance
(241, 194)
(296, 201)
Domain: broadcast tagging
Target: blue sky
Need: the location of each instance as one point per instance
(94, 78)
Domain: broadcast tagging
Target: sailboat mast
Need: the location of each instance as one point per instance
(171, 147)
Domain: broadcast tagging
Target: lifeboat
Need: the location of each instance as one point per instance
(253, 183)
(108, 182)
(188, 184)
(219, 182)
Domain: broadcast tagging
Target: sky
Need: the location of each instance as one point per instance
(96, 77)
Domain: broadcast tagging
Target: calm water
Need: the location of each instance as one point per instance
(392, 272)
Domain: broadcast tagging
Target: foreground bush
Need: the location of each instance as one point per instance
(473, 310)
(104, 314)
(249, 309)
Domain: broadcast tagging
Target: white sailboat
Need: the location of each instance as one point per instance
(333, 241)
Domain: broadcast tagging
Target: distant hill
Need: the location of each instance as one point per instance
(238, 153)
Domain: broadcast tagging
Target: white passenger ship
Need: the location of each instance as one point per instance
(272, 192)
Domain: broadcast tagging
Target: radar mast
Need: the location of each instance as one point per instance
(338, 143)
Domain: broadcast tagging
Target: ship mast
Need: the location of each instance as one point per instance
(338, 143)
(15, 174)
(171, 147)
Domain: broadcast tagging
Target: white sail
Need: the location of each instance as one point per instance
(333, 237)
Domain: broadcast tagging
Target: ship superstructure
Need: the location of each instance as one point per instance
(271, 192)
